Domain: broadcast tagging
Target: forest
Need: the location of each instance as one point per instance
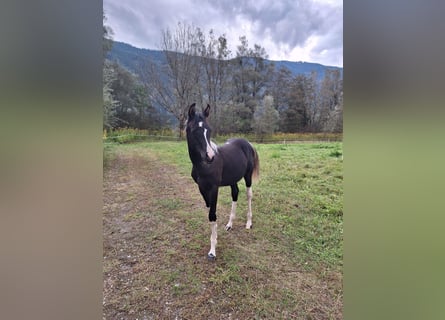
(247, 94)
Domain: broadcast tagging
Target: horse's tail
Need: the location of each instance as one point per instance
(256, 165)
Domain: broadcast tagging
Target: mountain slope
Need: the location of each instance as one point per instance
(131, 58)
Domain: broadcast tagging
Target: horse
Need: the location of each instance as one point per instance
(217, 166)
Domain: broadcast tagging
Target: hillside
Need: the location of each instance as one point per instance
(131, 57)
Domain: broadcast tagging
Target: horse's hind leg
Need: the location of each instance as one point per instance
(249, 208)
(248, 179)
(235, 192)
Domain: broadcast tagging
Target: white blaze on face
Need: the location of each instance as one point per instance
(210, 150)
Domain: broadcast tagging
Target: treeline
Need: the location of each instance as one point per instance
(247, 94)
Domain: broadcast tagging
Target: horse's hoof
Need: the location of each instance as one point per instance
(251, 226)
(228, 228)
(211, 257)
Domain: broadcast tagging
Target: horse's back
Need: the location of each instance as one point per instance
(238, 160)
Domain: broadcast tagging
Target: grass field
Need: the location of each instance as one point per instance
(156, 236)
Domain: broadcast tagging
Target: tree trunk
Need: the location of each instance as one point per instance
(181, 127)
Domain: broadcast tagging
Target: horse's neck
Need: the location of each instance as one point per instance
(195, 155)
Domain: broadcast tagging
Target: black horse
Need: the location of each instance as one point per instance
(216, 166)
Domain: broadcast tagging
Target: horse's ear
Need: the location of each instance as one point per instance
(192, 110)
(207, 111)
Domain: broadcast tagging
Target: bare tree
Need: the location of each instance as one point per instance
(311, 98)
(334, 122)
(215, 64)
(176, 85)
(265, 118)
(330, 102)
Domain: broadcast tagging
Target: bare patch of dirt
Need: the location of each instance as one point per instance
(155, 242)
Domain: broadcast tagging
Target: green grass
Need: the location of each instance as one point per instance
(298, 200)
(300, 195)
(297, 224)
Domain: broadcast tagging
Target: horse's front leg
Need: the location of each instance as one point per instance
(194, 174)
(205, 194)
(213, 198)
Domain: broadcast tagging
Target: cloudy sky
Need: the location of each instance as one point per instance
(294, 30)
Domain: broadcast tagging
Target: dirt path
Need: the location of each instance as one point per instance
(139, 239)
(156, 238)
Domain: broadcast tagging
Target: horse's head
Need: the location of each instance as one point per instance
(198, 135)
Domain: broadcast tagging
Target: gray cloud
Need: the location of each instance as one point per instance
(288, 29)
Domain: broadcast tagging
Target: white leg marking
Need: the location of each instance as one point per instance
(213, 239)
(249, 206)
(232, 216)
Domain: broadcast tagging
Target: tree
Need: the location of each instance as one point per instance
(335, 117)
(311, 100)
(215, 53)
(260, 71)
(240, 73)
(265, 118)
(295, 117)
(230, 120)
(108, 76)
(278, 86)
(176, 85)
(146, 117)
(134, 109)
(122, 88)
(107, 41)
(109, 103)
(249, 79)
(330, 103)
